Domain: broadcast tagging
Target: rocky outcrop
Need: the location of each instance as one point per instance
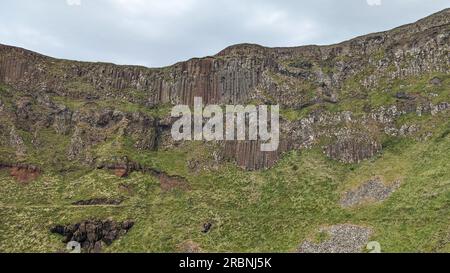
(93, 235)
(17, 143)
(248, 154)
(353, 148)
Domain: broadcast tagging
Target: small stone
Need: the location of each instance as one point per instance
(207, 227)
(436, 81)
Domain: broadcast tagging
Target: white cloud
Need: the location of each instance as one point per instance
(162, 32)
(158, 8)
(276, 22)
(20, 35)
(374, 2)
(73, 2)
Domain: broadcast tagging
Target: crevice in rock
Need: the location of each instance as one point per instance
(98, 201)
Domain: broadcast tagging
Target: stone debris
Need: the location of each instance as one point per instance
(342, 239)
(372, 191)
(436, 81)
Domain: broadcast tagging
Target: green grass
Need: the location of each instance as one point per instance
(272, 210)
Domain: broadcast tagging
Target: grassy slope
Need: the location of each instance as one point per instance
(273, 210)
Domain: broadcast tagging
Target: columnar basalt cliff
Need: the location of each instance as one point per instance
(82, 100)
(86, 150)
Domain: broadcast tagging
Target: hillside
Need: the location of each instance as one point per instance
(86, 150)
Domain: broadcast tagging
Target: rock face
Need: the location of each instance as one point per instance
(248, 155)
(70, 96)
(93, 235)
(353, 148)
(342, 239)
(372, 191)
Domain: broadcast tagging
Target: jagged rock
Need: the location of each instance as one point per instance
(404, 96)
(443, 106)
(93, 234)
(408, 130)
(77, 144)
(63, 121)
(16, 141)
(207, 227)
(343, 239)
(372, 191)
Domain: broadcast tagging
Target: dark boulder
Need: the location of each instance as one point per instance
(92, 235)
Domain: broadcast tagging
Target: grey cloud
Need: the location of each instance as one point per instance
(162, 32)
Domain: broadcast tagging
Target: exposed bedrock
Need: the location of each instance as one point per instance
(248, 154)
(353, 148)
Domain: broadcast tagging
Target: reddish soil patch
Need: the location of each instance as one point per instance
(169, 183)
(121, 172)
(25, 173)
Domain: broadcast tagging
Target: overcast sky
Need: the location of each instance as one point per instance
(161, 32)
